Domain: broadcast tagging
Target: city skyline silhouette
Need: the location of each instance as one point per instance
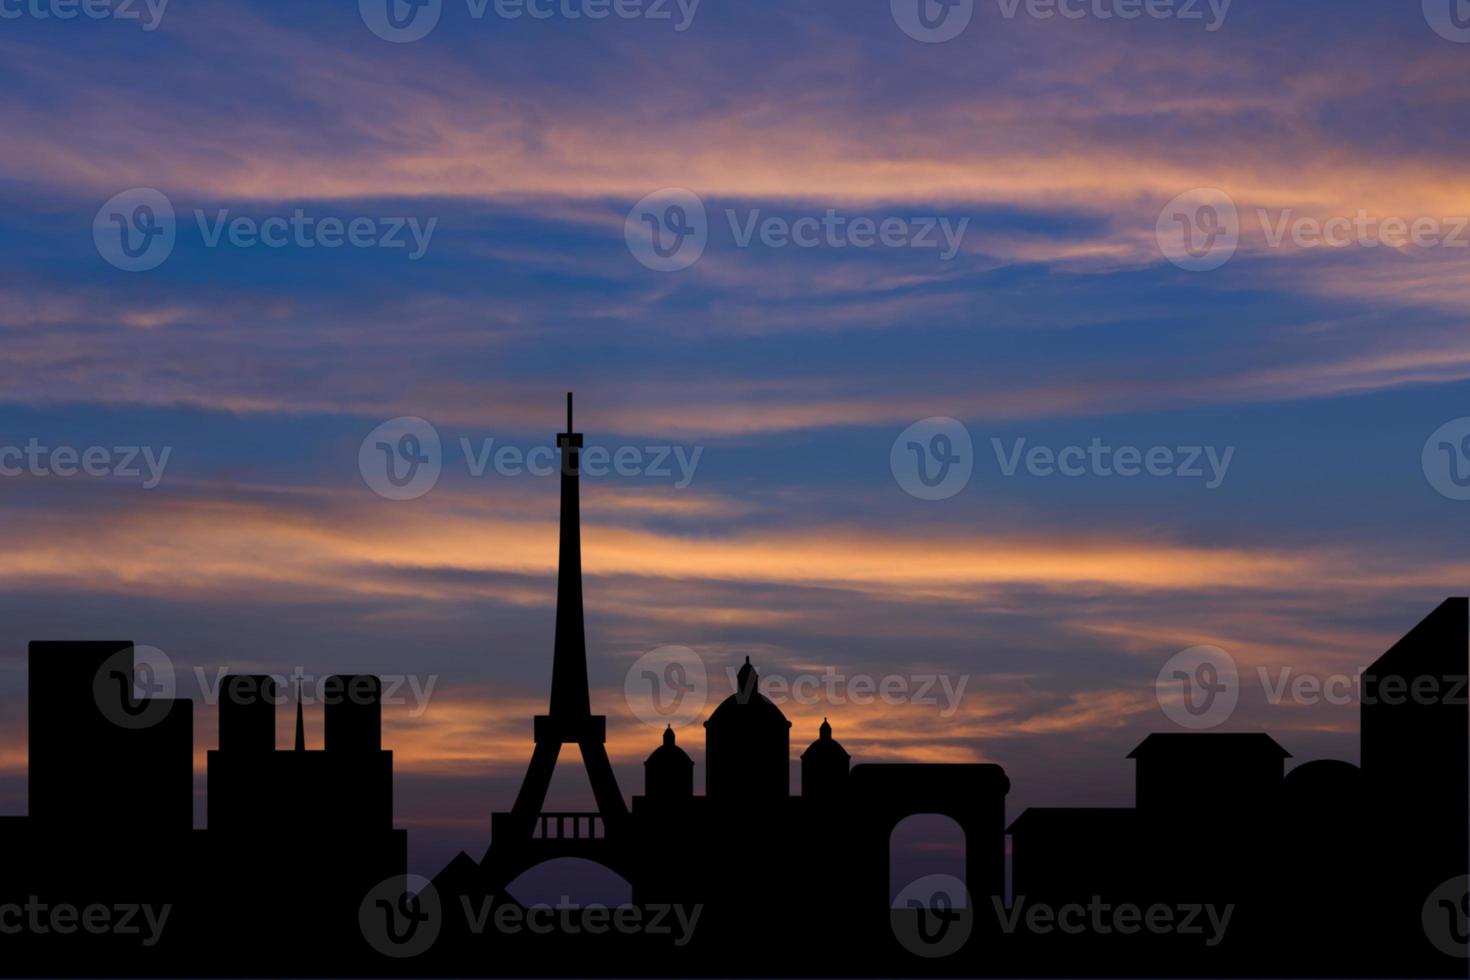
(805, 871)
(1048, 420)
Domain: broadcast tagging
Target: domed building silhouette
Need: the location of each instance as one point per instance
(668, 774)
(747, 745)
(824, 767)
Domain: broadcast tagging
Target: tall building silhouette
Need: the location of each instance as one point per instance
(1415, 760)
(96, 746)
(111, 802)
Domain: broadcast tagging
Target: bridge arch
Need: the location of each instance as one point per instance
(579, 881)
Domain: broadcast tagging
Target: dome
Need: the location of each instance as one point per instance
(747, 705)
(824, 767)
(825, 747)
(668, 772)
(747, 746)
(668, 753)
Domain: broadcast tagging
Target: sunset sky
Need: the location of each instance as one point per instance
(791, 370)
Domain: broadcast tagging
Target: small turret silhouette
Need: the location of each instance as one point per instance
(824, 766)
(668, 773)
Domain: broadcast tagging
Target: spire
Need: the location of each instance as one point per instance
(569, 698)
(669, 735)
(825, 732)
(300, 720)
(746, 682)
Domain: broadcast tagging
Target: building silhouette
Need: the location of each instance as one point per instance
(89, 734)
(1329, 866)
(1329, 869)
(825, 766)
(336, 801)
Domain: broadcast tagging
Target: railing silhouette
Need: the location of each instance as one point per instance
(555, 826)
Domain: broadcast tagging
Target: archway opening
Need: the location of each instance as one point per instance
(922, 845)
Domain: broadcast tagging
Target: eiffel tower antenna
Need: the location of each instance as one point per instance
(569, 698)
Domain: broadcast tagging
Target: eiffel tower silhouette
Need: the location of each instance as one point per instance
(527, 836)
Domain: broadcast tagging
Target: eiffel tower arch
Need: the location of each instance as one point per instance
(529, 835)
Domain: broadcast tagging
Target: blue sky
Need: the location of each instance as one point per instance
(1057, 142)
